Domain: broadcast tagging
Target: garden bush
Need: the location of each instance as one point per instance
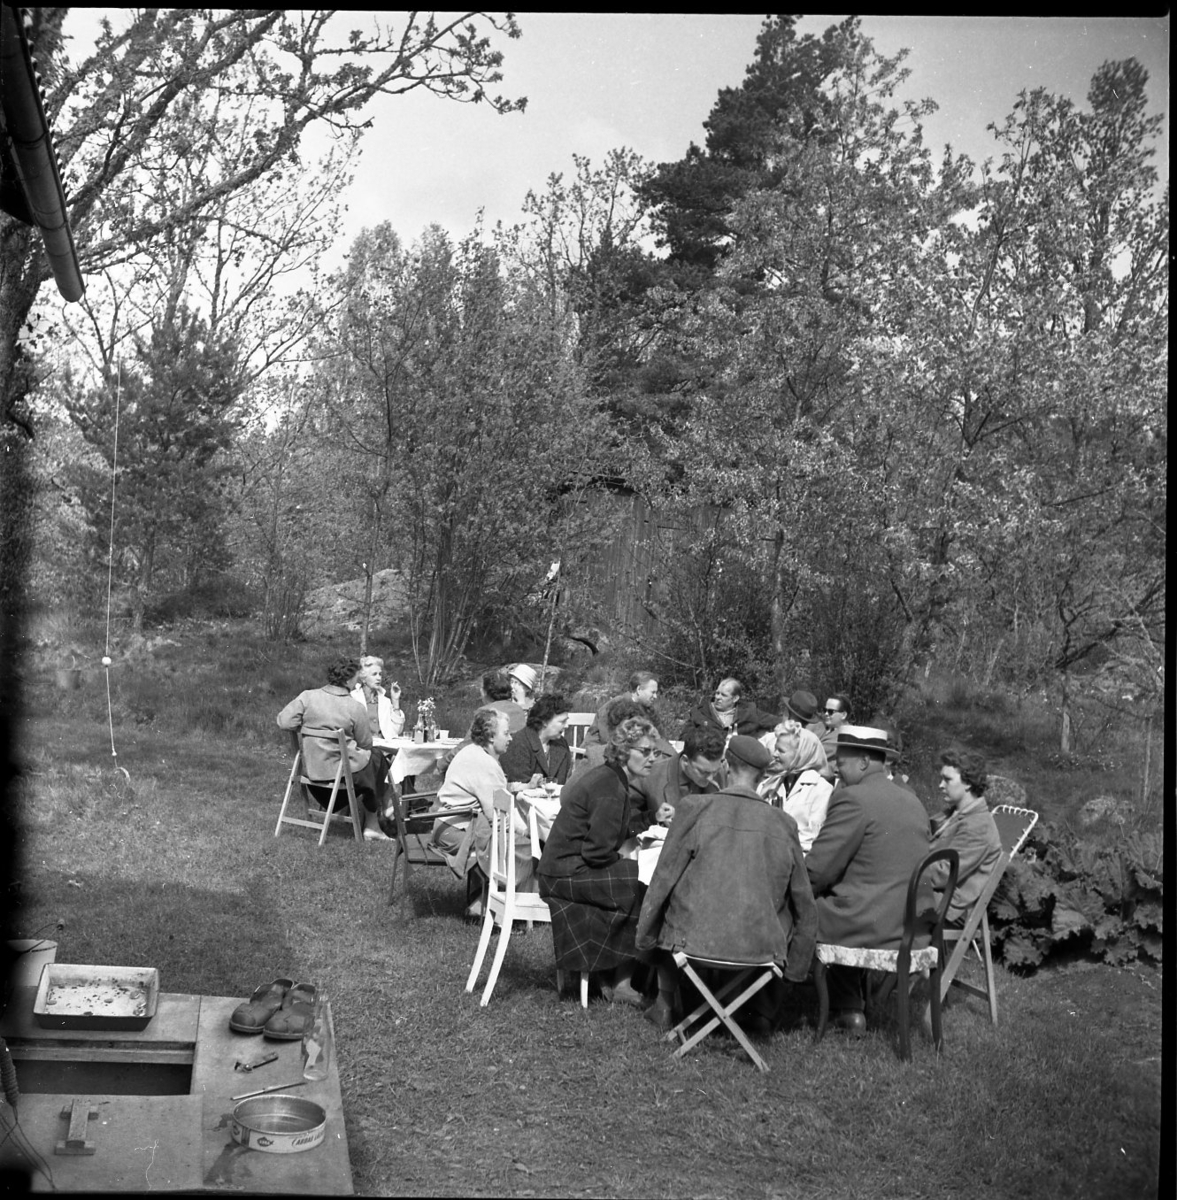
(1079, 895)
(221, 596)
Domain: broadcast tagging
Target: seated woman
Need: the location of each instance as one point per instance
(524, 682)
(593, 893)
(472, 779)
(966, 826)
(386, 719)
(385, 716)
(616, 711)
(539, 754)
(496, 694)
(326, 709)
(796, 780)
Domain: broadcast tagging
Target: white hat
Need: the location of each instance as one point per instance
(525, 675)
(862, 737)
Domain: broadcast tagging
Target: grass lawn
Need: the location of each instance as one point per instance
(174, 865)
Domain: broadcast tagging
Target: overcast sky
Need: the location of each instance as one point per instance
(595, 82)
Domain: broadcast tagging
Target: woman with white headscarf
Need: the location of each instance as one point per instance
(794, 781)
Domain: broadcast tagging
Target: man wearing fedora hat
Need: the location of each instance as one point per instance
(802, 706)
(729, 712)
(730, 884)
(875, 834)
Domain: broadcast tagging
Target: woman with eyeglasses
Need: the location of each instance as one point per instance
(592, 891)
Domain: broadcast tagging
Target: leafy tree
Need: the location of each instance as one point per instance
(784, 429)
(125, 108)
(451, 380)
(1040, 376)
(166, 446)
(782, 96)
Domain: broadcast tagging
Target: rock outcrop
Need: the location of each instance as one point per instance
(340, 606)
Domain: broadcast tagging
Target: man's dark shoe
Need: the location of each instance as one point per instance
(852, 1021)
(660, 1014)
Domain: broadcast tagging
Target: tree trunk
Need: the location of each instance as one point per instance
(18, 290)
(367, 606)
(777, 615)
(1065, 732)
(551, 624)
(1144, 782)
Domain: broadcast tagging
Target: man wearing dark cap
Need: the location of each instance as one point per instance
(875, 834)
(731, 885)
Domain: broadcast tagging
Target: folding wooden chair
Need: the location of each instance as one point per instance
(414, 814)
(576, 730)
(314, 817)
(716, 1006)
(504, 905)
(927, 960)
(1013, 827)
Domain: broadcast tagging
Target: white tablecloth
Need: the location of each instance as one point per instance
(413, 758)
(541, 809)
(649, 848)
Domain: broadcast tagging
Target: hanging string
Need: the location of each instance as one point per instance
(114, 458)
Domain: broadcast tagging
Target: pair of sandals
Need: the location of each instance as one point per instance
(281, 1009)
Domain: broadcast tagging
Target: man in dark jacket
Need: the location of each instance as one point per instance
(729, 712)
(642, 689)
(731, 884)
(875, 834)
(698, 769)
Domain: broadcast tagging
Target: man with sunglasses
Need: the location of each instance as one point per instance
(835, 714)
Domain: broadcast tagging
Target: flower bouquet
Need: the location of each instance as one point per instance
(426, 720)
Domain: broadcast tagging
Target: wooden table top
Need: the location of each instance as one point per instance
(172, 1143)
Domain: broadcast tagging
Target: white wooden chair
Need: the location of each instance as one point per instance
(313, 817)
(576, 730)
(1013, 826)
(504, 905)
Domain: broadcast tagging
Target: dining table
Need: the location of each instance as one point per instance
(410, 758)
(541, 806)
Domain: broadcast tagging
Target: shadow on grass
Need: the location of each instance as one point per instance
(221, 943)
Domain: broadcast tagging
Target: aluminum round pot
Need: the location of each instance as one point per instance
(278, 1124)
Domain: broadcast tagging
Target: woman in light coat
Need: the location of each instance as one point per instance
(385, 716)
(795, 781)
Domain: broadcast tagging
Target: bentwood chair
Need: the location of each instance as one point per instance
(314, 817)
(1013, 827)
(925, 960)
(504, 905)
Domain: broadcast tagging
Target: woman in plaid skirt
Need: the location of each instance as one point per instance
(593, 893)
